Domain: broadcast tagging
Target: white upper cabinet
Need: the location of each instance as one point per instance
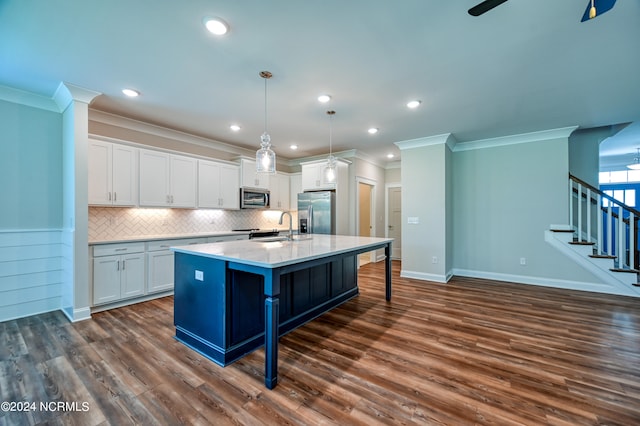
(112, 172)
(295, 187)
(313, 178)
(250, 178)
(183, 181)
(218, 185)
(280, 191)
(167, 180)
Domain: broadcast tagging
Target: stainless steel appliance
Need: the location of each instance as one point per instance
(254, 198)
(317, 212)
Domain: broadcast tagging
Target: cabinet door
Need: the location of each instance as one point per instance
(124, 175)
(99, 172)
(229, 187)
(132, 275)
(208, 184)
(280, 192)
(106, 279)
(295, 187)
(183, 181)
(252, 179)
(160, 271)
(154, 179)
(310, 177)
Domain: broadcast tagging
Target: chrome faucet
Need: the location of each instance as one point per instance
(290, 236)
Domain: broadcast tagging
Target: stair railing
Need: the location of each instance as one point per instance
(611, 226)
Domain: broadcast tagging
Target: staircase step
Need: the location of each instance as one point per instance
(634, 271)
(582, 243)
(563, 230)
(636, 284)
(602, 256)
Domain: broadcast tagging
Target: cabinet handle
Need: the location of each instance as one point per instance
(117, 265)
(109, 196)
(164, 246)
(172, 199)
(115, 196)
(123, 263)
(121, 249)
(168, 199)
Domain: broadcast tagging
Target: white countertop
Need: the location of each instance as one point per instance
(137, 238)
(281, 253)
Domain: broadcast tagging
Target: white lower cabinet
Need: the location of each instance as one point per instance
(118, 272)
(160, 262)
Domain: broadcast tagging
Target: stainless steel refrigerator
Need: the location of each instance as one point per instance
(317, 212)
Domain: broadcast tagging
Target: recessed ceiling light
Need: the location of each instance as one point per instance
(390, 155)
(131, 93)
(234, 127)
(414, 104)
(373, 130)
(324, 98)
(293, 146)
(216, 26)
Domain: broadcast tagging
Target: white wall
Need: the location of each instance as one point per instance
(31, 276)
(504, 198)
(425, 193)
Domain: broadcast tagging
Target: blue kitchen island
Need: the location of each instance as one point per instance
(233, 297)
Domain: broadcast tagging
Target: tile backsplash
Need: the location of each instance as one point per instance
(107, 223)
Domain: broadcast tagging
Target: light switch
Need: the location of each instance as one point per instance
(199, 276)
(413, 220)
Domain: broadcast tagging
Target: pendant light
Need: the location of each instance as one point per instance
(636, 162)
(330, 168)
(265, 157)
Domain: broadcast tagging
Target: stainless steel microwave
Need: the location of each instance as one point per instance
(254, 198)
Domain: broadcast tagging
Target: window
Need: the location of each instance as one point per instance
(625, 196)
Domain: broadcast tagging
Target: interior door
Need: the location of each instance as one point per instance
(394, 230)
(364, 217)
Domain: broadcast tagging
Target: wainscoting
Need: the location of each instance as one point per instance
(31, 272)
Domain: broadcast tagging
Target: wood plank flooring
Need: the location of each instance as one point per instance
(468, 352)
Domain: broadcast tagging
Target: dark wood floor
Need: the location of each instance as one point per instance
(468, 352)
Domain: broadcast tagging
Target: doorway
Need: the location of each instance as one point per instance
(394, 220)
(366, 216)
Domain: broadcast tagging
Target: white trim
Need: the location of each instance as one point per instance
(67, 93)
(165, 132)
(446, 138)
(33, 100)
(78, 314)
(543, 135)
(388, 186)
(543, 282)
(425, 276)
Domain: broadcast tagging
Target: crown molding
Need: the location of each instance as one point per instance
(164, 132)
(22, 97)
(67, 93)
(446, 138)
(543, 135)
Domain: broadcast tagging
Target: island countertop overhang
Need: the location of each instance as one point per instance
(276, 254)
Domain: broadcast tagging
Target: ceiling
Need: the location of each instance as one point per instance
(522, 67)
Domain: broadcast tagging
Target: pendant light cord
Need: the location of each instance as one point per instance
(265, 105)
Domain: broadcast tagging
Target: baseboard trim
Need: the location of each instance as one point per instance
(543, 282)
(75, 315)
(425, 276)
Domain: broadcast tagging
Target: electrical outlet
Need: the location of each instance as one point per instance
(523, 260)
(199, 275)
(434, 259)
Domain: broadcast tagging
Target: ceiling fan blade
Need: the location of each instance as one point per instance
(485, 6)
(601, 6)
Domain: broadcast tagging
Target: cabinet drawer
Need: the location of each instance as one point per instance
(111, 249)
(166, 244)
